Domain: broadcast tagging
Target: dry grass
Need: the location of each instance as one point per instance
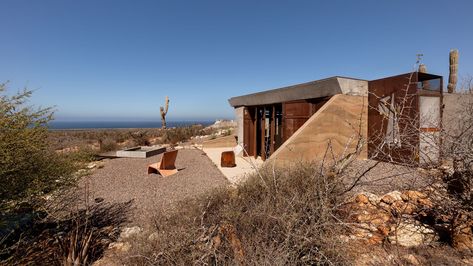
(80, 237)
(280, 216)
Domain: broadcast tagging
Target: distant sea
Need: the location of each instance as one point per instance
(76, 125)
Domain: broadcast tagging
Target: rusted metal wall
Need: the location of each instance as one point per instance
(403, 89)
(296, 113)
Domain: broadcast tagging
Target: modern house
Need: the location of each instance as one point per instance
(340, 115)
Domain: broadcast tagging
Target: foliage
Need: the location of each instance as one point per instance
(28, 168)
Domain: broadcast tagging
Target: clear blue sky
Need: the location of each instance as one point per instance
(117, 60)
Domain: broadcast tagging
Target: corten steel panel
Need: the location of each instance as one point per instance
(318, 103)
(404, 89)
(296, 113)
(296, 109)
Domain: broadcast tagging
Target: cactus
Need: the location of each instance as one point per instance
(164, 111)
(422, 68)
(452, 77)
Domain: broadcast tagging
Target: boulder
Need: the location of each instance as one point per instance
(399, 208)
(120, 246)
(410, 234)
(395, 194)
(412, 195)
(425, 203)
(128, 232)
(388, 199)
(361, 198)
(462, 236)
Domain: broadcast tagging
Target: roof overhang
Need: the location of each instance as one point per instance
(310, 90)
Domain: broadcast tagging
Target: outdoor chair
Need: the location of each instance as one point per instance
(166, 166)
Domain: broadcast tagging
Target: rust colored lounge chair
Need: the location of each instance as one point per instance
(167, 165)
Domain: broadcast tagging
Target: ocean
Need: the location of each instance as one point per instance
(71, 125)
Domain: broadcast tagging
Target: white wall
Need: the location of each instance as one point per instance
(239, 119)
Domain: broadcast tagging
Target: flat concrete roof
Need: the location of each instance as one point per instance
(309, 90)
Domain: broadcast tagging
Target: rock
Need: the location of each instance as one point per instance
(411, 259)
(153, 237)
(361, 198)
(128, 232)
(373, 198)
(384, 230)
(399, 208)
(91, 165)
(395, 194)
(388, 199)
(425, 203)
(120, 246)
(410, 234)
(412, 195)
(375, 239)
(462, 238)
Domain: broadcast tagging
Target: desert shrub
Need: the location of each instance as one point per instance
(180, 134)
(77, 238)
(285, 216)
(28, 167)
(140, 138)
(84, 154)
(107, 145)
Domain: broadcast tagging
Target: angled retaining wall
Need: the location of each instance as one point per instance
(341, 120)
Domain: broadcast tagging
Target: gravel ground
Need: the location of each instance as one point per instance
(386, 177)
(125, 179)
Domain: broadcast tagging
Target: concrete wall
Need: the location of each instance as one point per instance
(239, 119)
(455, 111)
(353, 86)
(341, 120)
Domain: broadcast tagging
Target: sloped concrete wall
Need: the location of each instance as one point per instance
(340, 121)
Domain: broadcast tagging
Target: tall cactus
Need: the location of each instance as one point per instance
(452, 77)
(164, 111)
(422, 68)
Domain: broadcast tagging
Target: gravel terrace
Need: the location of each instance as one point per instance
(125, 179)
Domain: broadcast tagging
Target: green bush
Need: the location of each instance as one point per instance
(28, 167)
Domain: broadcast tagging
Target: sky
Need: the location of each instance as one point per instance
(117, 60)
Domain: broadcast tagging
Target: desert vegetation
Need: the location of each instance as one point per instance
(310, 213)
(97, 141)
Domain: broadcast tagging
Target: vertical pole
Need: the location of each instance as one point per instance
(263, 135)
(255, 143)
